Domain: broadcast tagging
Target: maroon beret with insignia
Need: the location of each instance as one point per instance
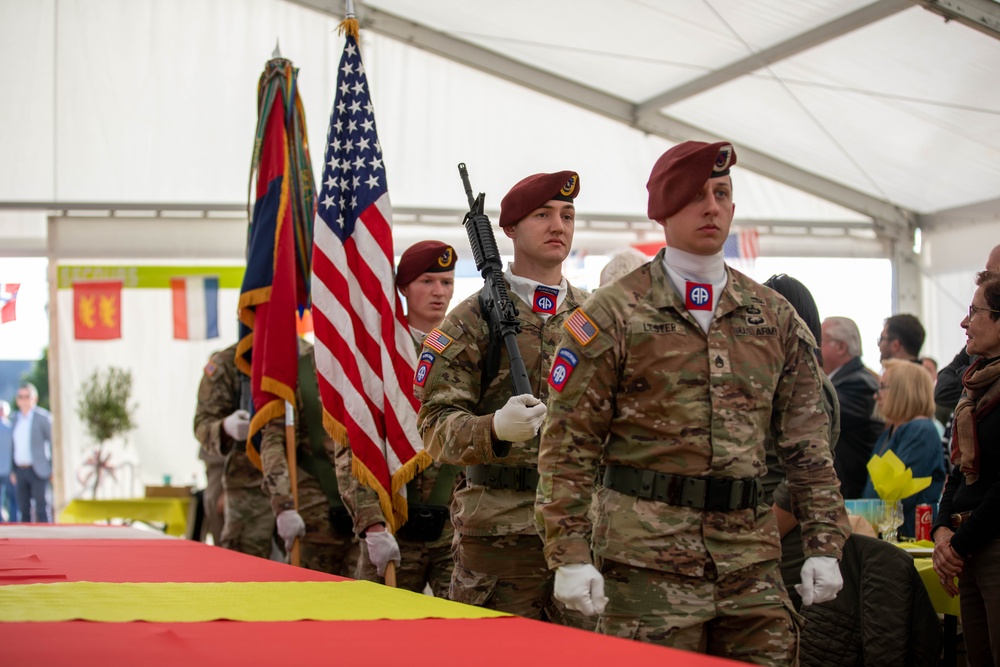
(424, 257)
(532, 192)
(682, 171)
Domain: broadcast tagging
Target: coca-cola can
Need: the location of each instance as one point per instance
(923, 522)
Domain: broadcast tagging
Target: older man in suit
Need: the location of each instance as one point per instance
(856, 387)
(31, 428)
(8, 498)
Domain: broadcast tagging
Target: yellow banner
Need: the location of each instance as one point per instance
(200, 602)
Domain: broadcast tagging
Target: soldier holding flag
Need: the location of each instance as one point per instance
(468, 419)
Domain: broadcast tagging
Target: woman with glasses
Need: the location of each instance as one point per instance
(905, 400)
(967, 530)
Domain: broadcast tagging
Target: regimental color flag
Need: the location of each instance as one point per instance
(97, 310)
(8, 302)
(742, 244)
(196, 307)
(364, 353)
(276, 282)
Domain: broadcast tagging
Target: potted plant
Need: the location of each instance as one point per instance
(103, 407)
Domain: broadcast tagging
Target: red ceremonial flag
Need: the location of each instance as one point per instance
(97, 310)
(8, 302)
(275, 282)
(364, 352)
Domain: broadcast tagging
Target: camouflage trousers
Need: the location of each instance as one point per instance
(744, 616)
(509, 573)
(421, 564)
(322, 548)
(249, 522)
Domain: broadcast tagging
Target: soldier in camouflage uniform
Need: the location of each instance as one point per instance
(466, 421)
(672, 378)
(323, 547)
(426, 278)
(221, 427)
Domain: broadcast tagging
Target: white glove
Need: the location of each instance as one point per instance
(382, 548)
(821, 580)
(237, 425)
(519, 419)
(581, 588)
(290, 526)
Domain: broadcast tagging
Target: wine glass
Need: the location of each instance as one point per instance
(890, 519)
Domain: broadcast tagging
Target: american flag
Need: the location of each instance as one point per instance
(364, 353)
(741, 245)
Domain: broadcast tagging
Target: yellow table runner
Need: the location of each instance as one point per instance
(198, 602)
(172, 512)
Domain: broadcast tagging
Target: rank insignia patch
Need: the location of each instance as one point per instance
(423, 368)
(437, 341)
(562, 368)
(582, 327)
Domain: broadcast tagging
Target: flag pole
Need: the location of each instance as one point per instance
(293, 473)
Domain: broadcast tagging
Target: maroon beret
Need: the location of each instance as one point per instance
(682, 171)
(533, 191)
(424, 257)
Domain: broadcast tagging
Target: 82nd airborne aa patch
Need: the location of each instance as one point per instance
(423, 369)
(562, 368)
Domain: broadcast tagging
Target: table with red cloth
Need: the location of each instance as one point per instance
(51, 555)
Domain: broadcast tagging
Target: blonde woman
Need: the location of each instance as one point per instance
(905, 400)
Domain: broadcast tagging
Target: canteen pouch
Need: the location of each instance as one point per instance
(425, 523)
(341, 522)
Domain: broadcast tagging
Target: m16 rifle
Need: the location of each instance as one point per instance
(497, 308)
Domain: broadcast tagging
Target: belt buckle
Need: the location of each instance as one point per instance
(694, 492)
(518, 480)
(956, 521)
(718, 495)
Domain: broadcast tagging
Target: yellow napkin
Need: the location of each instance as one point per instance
(891, 478)
(198, 602)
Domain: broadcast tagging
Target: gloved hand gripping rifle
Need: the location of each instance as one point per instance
(497, 308)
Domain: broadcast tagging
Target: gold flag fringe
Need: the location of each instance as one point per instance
(348, 27)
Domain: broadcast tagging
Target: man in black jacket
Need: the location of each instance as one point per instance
(856, 387)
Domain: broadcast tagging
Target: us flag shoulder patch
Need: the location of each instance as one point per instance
(581, 326)
(437, 340)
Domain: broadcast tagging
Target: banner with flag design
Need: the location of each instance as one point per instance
(276, 283)
(364, 353)
(97, 310)
(196, 307)
(8, 302)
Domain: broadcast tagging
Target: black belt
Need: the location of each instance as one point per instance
(503, 477)
(958, 519)
(706, 493)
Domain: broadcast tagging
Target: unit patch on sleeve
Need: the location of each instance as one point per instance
(562, 368)
(437, 341)
(582, 327)
(423, 368)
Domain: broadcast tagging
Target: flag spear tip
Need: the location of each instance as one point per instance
(277, 49)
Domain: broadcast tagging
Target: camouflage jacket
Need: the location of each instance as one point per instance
(218, 397)
(273, 458)
(651, 390)
(362, 502)
(455, 421)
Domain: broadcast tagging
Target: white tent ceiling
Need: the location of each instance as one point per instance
(881, 108)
